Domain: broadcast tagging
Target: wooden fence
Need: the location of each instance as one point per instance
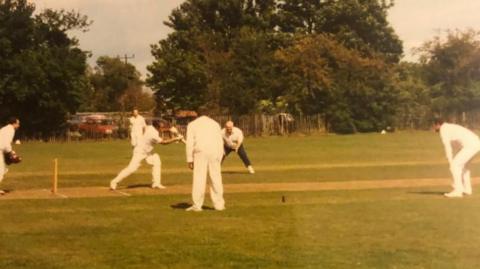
(251, 125)
(280, 124)
(470, 119)
(285, 124)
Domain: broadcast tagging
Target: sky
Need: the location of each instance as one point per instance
(417, 21)
(120, 27)
(129, 27)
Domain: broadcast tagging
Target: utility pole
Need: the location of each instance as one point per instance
(125, 57)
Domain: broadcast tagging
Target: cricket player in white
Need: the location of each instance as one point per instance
(137, 127)
(453, 134)
(204, 155)
(233, 141)
(6, 137)
(143, 151)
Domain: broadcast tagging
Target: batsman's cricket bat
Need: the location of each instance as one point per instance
(175, 132)
(183, 140)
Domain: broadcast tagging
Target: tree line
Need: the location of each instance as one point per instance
(338, 59)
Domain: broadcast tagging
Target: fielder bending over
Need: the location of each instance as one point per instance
(233, 141)
(470, 145)
(143, 151)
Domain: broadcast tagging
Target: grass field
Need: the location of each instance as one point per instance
(382, 228)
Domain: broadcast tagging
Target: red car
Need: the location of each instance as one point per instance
(96, 126)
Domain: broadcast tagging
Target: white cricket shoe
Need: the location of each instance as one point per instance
(467, 192)
(454, 194)
(158, 186)
(2, 192)
(194, 209)
(220, 208)
(250, 169)
(113, 186)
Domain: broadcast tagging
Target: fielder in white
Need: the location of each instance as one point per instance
(469, 143)
(137, 127)
(6, 137)
(204, 155)
(143, 151)
(233, 141)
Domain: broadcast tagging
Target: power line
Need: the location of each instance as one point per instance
(125, 57)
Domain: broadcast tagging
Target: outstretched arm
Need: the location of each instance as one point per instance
(171, 140)
(447, 145)
(448, 150)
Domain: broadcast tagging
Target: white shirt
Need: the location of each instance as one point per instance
(204, 135)
(137, 124)
(453, 133)
(148, 140)
(234, 139)
(6, 137)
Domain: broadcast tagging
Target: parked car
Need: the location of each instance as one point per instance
(179, 120)
(97, 126)
(75, 120)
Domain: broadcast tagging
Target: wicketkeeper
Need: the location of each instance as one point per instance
(7, 155)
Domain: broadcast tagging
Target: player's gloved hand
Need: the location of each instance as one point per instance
(11, 157)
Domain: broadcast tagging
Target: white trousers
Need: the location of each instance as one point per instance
(135, 162)
(460, 171)
(3, 166)
(203, 164)
(135, 137)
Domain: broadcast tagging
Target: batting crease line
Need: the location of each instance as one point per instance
(58, 194)
(123, 193)
(61, 195)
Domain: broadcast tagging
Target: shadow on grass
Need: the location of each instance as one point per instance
(184, 206)
(234, 172)
(436, 193)
(134, 186)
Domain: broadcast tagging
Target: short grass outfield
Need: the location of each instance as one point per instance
(381, 228)
(318, 158)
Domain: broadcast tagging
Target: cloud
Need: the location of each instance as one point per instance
(419, 21)
(130, 26)
(120, 26)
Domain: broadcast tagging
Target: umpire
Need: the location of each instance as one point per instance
(233, 141)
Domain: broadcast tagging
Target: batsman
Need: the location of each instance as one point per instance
(8, 156)
(144, 151)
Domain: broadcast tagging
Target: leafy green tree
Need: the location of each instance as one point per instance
(250, 74)
(354, 93)
(358, 24)
(117, 86)
(452, 70)
(224, 18)
(242, 56)
(42, 75)
(192, 63)
(413, 109)
(178, 76)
